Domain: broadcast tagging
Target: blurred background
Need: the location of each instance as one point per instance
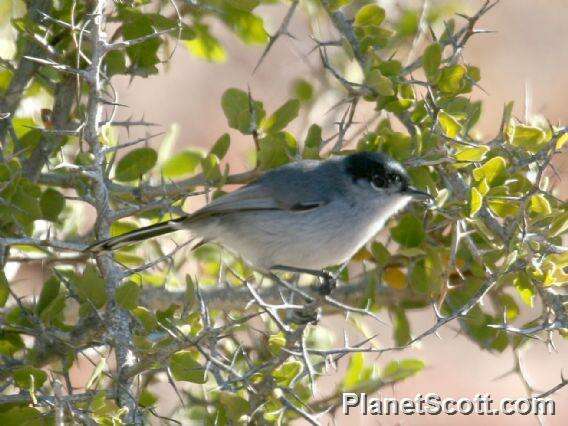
(525, 61)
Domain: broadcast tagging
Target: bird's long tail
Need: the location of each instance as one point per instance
(140, 234)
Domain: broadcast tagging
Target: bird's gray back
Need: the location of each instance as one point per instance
(306, 181)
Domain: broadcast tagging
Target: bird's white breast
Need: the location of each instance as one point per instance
(310, 239)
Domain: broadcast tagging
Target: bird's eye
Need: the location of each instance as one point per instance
(378, 181)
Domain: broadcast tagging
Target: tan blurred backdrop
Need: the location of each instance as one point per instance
(525, 60)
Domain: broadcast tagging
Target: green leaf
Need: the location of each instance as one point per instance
(237, 108)
(182, 164)
(449, 125)
(245, 5)
(285, 373)
(369, 15)
(401, 332)
(475, 201)
(451, 79)
(221, 146)
(184, 367)
(51, 204)
(18, 416)
(399, 370)
(134, 164)
(27, 205)
(235, 405)
(381, 84)
(91, 287)
(276, 150)
(471, 154)
(380, 254)
(211, 168)
(532, 139)
(115, 63)
(282, 117)
(4, 289)
(143, 56)
(206, 46)
(147, 399)
(190, 291)
(127, 295)
(28, 377)
(303, 90)
(509, 306)
(493, 170)
(432, 59)
(409, 232)
(312, 144)
(49, 292)
(54, 311)
(146, 318)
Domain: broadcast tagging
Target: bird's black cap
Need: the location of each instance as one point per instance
(383, 172)
(378, 168)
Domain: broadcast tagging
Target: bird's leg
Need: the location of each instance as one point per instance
(329, 282)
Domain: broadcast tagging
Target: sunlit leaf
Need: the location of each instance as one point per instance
(206, 46)
(371, 14)
(559, 225)
(491, 171)
(525, 288)
(475, 201)
(182, 163)
(395, 278)
(540, 205)
(449, 124)
(451, 79)
(527, 137)
(399, 370)
(96, 372)
(471, 154)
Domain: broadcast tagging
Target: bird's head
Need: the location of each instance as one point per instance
(383, 175)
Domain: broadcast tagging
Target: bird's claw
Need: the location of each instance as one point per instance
(329, 282)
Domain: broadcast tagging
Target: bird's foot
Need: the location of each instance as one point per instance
(310, 314)
(329, 282)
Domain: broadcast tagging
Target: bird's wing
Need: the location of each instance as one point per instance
(290, 188)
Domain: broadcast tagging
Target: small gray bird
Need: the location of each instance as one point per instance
(300, 217)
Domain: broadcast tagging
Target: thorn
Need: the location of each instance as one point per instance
(437, 312)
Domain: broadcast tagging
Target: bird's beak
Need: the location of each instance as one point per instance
(419, 195)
